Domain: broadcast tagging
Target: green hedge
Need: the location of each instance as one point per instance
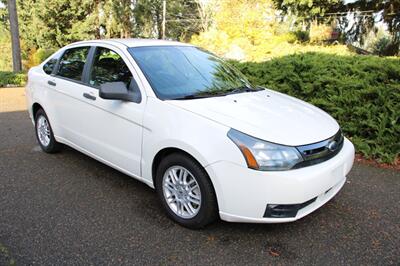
(361, 92)
(10, 78)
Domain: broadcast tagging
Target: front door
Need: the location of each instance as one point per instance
(115, 125)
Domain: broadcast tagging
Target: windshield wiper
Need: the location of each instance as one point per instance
(194, 96)
(243, 89)
(217, 93)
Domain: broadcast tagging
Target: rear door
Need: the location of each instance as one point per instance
(70, 106)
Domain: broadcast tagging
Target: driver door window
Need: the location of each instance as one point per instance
(108, 66)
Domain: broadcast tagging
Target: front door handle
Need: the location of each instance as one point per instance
(51, 83)
(88, 96)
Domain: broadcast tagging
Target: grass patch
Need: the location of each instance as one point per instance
(361, 92)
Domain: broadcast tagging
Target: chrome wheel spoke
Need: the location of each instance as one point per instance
(174, 177)
(171, 199)
(191, 182)
(180, 176)
(194, 199)
(168, 184)
(189, 208)
(171, 196)
(179, 207)
(194, 189)
(185, 177)
(171, 191)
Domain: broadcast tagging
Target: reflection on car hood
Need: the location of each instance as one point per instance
(267, 115)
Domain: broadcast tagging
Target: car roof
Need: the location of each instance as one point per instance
(133, 42)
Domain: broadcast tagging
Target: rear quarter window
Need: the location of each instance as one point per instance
(49, 66)
(51, 63)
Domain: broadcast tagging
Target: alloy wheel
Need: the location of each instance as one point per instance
(43, 131)
(181, 192)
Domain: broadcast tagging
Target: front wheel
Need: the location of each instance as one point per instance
(44, 133)
(185, 191)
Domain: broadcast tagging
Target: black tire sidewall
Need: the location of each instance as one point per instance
(208, 208)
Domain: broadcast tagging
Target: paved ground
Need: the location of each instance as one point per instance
(69, 209)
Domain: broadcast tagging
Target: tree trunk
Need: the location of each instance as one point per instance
(163, 18)
(16, 49)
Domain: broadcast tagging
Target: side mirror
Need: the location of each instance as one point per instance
(114, 91)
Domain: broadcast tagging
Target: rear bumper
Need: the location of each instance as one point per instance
(29, 102)
(243, 194)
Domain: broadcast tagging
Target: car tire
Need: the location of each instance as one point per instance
(189, 174)
(44, 133)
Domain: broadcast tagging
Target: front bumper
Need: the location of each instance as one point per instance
(243, 194)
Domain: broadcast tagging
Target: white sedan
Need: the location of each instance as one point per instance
(186, 123)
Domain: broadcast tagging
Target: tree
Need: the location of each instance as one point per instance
(148, 18)
(308, 9)
(16, 48)
(118, 19)
(390, 13)
(241, 29)
(182, 19)
(362, 21)
(3, 14)
(206, 11)
(55, 23)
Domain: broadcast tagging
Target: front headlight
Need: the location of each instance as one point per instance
(263, 155)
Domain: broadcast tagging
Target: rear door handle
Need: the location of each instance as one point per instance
(88, 96)
(51, 83)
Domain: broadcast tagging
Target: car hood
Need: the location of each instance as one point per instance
(267, 115)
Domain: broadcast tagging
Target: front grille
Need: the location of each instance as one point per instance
(321, 151)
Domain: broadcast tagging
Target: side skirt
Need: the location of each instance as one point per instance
(76, 147)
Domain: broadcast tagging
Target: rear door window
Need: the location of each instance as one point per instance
(72, 63)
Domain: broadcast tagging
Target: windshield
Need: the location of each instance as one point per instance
(184, 72)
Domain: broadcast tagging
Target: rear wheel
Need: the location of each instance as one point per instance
(185, 191)
(44, 133)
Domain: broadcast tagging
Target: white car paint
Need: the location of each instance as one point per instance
(128, 136)
(255, 113)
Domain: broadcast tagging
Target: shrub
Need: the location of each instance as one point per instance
(302, 36)
(38, 56)
(361, 92)
(289, 37)
(385, 47)
(320, 33)
(10, 78)
(381, 45)
(5, 50)
(242, 49)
